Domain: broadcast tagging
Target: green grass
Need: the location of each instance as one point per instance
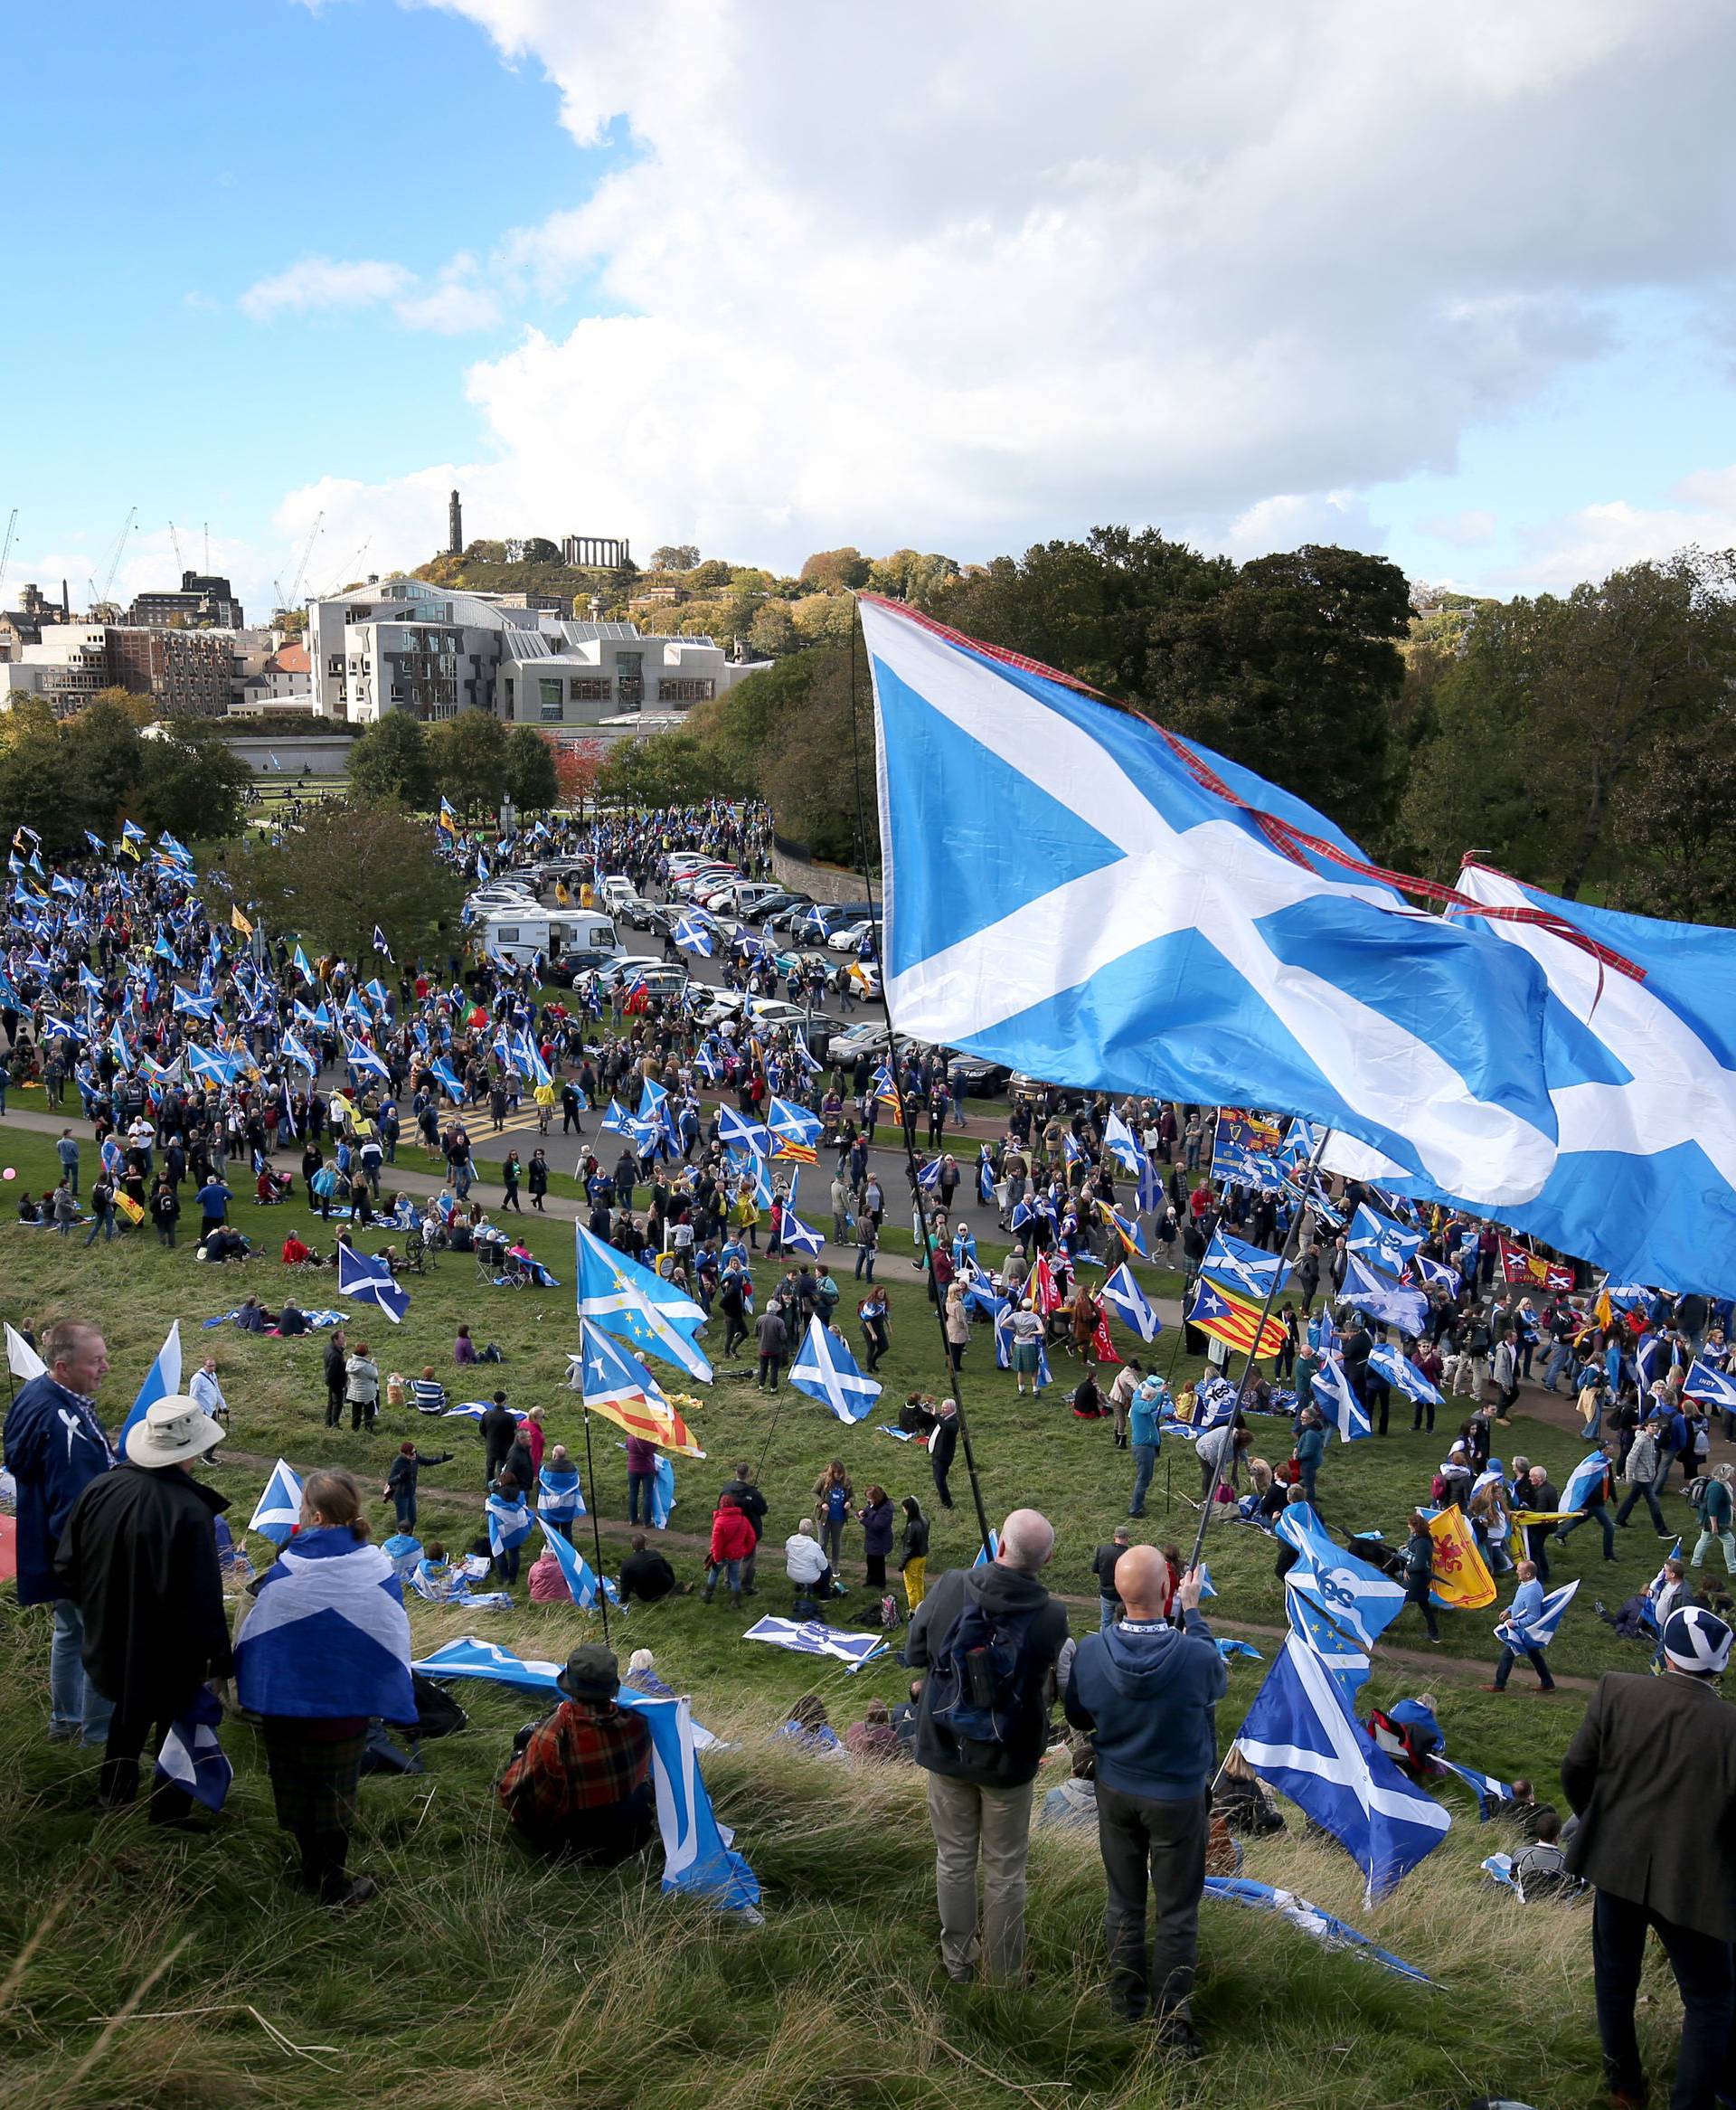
(477, 1979)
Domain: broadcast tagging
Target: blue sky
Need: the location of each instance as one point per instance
(705, 273)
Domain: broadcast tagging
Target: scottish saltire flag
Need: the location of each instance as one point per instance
(1381, 1242)
(1400, 1371)
(1716, 1387)
(1301, 1737)
(278, 1510)
(362, 1060)
(1118, 1141)
(1250, 1269)
(794, 1130)
(1538, 1634)
(560, 1497)
(162, 1381)
(1584, 1481)
(326, 1635)
(294, 1051)
(580, 1576)
(1333, 1395)
(662, 1492)
(509, 1522)
(192, 1756)
(637, 1305)
(447, 1079)
(369, 1281)
(379, 942)
(1642, 1076)
(826, 1370)
(814, 1638)
(693, 935)
(1437, 1273)
(1127, 1302)
(1230, 1650)
(1489, 1792)
(735, 1130)
(1383, 1298)
(1351, 1595)
(798, 1236)
(985, 1176)
(985, 1554)
(1308, 1919)
(698, 1853)
(1148, 918)
(1004, 1346)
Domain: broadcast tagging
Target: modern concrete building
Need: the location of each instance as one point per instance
(68, 663)
(204, 602)
(568, 674)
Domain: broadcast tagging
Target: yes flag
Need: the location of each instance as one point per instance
(1127, 1302)
(815, 1638)
(1716, 1387)
(1301, 1737)
(369, 1281)
(1380, 1241)
(1333, 1393)
(1382, 1298)
(278, 1510)
(1352, 1594)
(1249, 1269)
(1151, 918)
(826, 1370)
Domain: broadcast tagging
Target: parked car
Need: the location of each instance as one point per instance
(633, 908)
(761, 912)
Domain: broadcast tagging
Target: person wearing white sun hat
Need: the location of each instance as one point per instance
(139, 1555)
(1651, 1773)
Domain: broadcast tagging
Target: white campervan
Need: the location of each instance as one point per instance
(518, 938)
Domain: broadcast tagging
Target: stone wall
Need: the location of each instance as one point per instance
(792, 864)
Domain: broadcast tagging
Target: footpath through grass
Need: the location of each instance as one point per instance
(478, 1978)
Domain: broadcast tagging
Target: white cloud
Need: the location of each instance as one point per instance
(960, 281)
(1599, 539)
(323, 282)
(1468, 529)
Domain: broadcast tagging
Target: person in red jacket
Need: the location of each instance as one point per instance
(732, 1541)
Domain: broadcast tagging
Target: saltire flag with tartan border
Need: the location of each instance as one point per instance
(1234, 1321)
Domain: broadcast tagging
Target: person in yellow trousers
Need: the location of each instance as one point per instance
(913, 1554)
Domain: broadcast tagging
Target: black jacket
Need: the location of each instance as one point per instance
(997, 1588)
(499, 1427)
(647, 1575)
(748, 1500)
(139, 1555)
(944, 1446)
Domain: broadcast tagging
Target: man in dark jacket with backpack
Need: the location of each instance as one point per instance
(1147, 1692)
(988, 1638)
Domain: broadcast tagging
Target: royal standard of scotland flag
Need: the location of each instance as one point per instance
(1142, 915)
(1301, 1737)
(826, 1370)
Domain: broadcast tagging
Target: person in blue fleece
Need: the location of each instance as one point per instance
(1148, 1694)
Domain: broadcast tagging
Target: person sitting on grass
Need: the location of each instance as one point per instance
(296, 1253)
(1073, 1801)
(1540, 1872)
(580, 1781)
(808, 1728)
(875, 1736)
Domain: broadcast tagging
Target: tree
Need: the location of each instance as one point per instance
(836, 569)
(906, 576)
(577, 767)
(677, 556)
(190, 781)
(714, 572)
(667, 768)
(771, 631)
(468, 755)
(1674, 824)
(531, 784)
(827, 618)
(540, 550)
(351, 867)
(105, 755)
(391, 763)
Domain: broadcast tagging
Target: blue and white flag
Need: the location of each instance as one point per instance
(789, 1124)
(379, 942)
(1118, 1141)
(798, 1236)
(698, 1853)
(162, 1381)
(637, 1305)
(1537, 1634)
(362, 1060)
(326, 1635)
(735, 1130)
(1004, 1346)
(580, 1576)
(1642, 1073)
(692, 934)
(1438, 1275)
(1585, 1482)
(560, 1497)
(192, 1756)
(295, 1051)
(1344, 1657)
(1332, 1393)
(509, 1522)
(1134, 926)
(1716, 1387)
(369, 1281)
(814, 1638)
(1383, 1298)
(662, 1492)
(1250, 1269)
(1352, 1594)
(1381, 1242)
(1127, 1303)
(1489, 1792)
(278, 1510)
(985, 1554)
(1401, 1371)
(826, 1370)
(1308, 1919)
(1301, 1737)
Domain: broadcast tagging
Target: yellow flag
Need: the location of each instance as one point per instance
(133, 1211)
(1603, 1310)
(237, 922)
(1462, 1582)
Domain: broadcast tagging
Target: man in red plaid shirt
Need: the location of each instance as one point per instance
(580, 1784)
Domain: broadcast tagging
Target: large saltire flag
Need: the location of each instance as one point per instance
(1376, 1238)
(1146, 916)
(795, 1130)
(1126, 1300)
(637, 1305)
(1462, 1581)
(1250, 1269)
(623, 1391)
(162, 1381)
(824, 1368)
(1233, 1320)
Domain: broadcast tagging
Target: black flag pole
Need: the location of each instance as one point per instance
(925, 1242)
(590, 1474)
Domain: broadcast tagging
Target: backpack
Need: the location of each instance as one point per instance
(983, 1678)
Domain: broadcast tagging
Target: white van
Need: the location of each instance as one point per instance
(518, 938)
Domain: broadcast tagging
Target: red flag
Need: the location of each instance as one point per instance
(1045, 1296)
(1519, 1265)
(1102, 1346)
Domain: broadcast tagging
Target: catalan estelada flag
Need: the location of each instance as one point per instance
(1233, 1320)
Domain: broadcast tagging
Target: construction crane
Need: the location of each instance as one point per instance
(175, 541)
(354, 567)
(120, 550)
(5, 547)
(301, 568)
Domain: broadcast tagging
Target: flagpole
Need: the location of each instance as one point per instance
(590, 1474)
(1290, 1239)
(925, 1244)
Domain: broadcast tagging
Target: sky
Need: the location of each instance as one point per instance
(1455, 284)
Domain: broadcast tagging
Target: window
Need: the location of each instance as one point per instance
(589, 689)
(685, 690)
(509, 695)
(548, 689)
(506, 937)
